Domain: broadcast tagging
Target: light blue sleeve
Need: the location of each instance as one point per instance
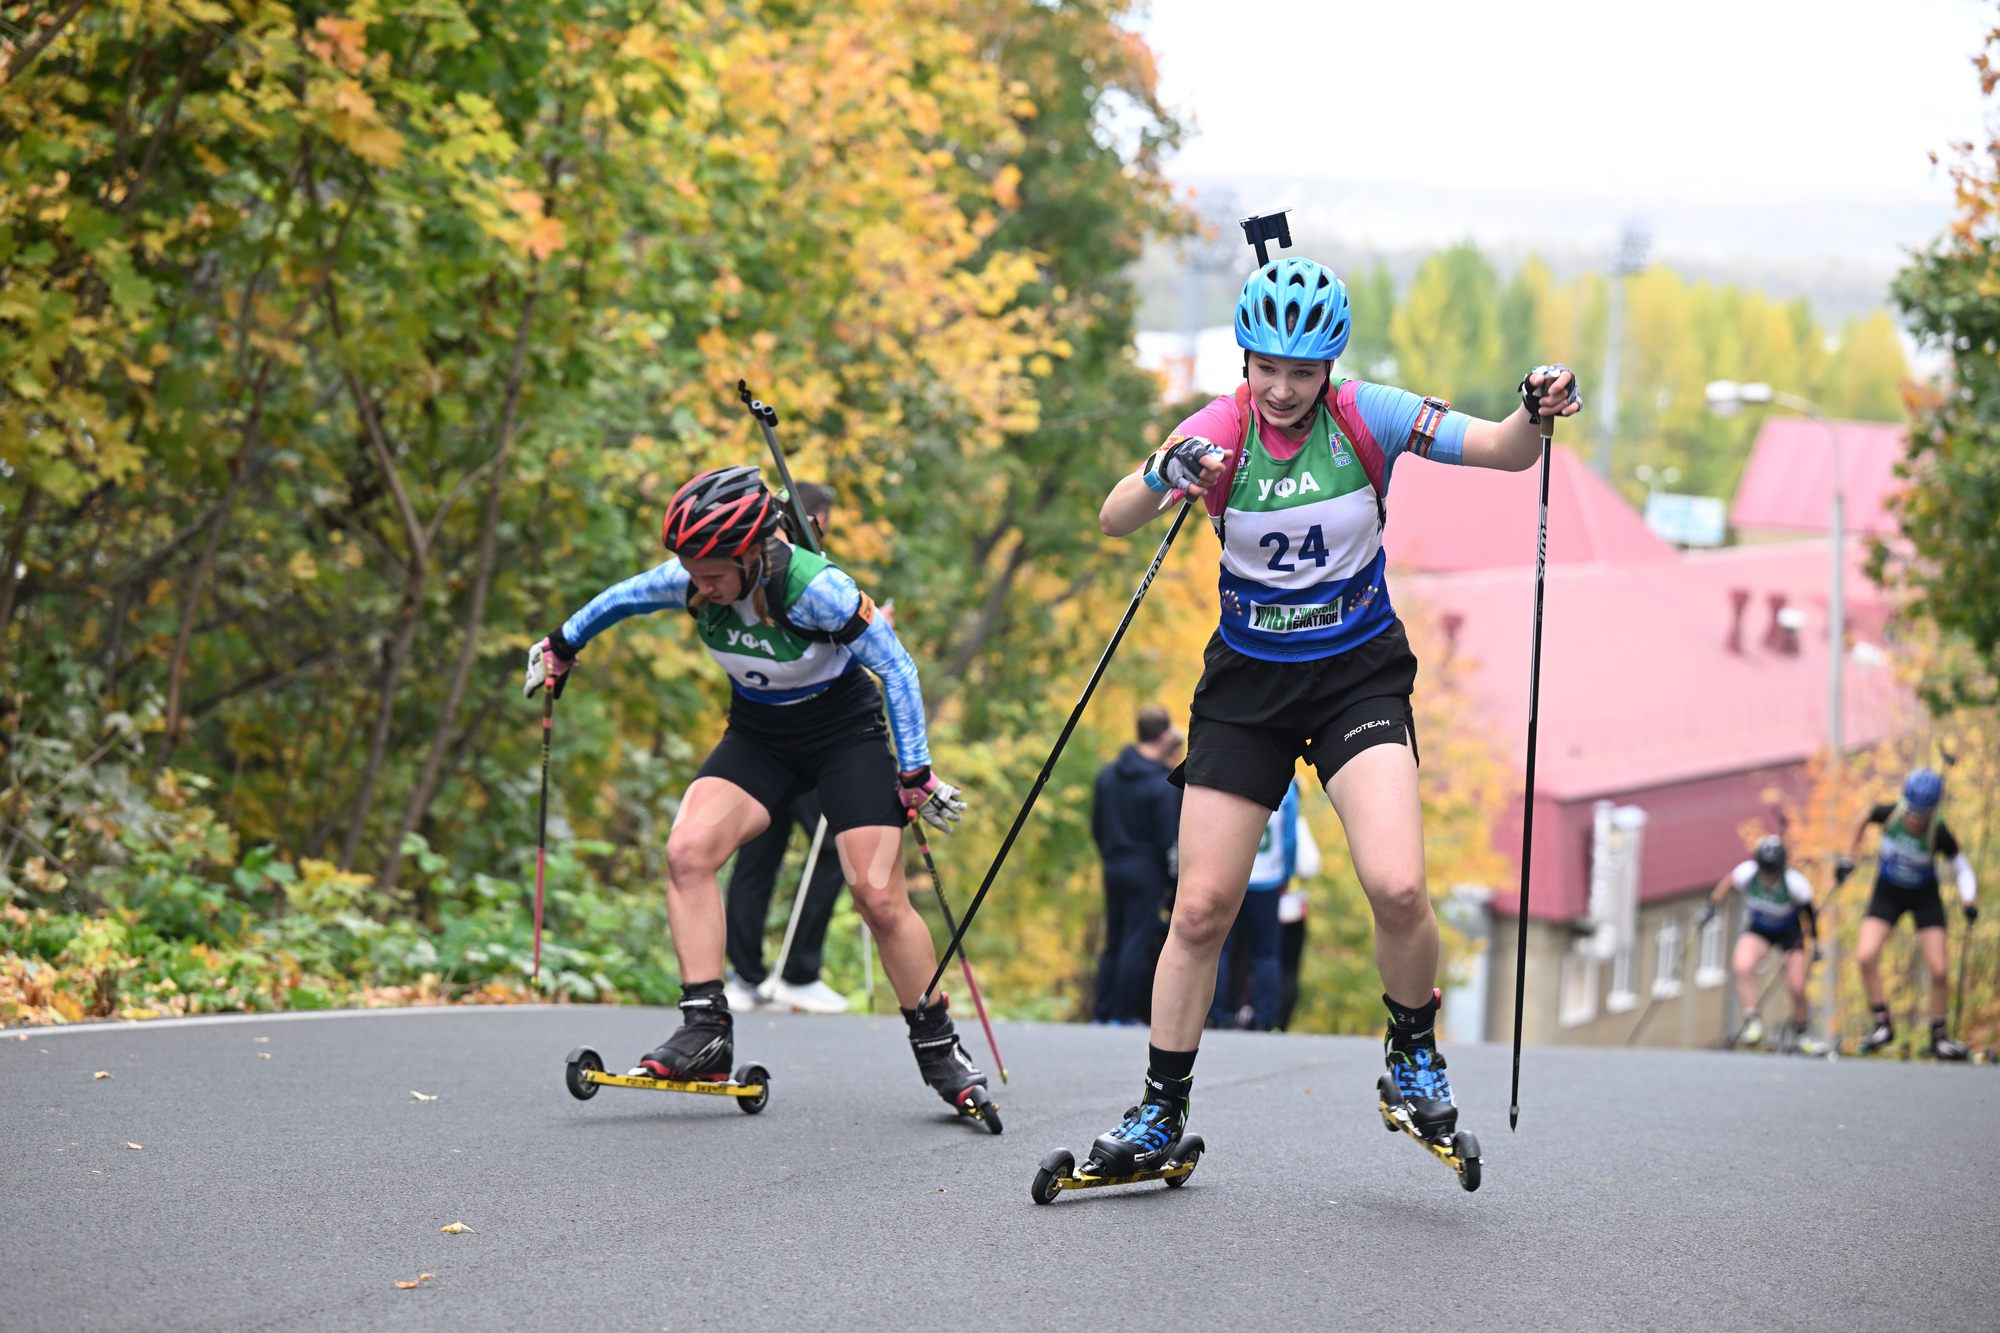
(1390, 412)
(828, 603)
(661, 588)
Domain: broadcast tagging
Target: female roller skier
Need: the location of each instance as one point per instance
(1309, 658)
(793, 632)
(1914, 835)
(1778, 902)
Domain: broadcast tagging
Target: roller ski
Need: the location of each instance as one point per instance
(1796, 1039)
(1149, 1143)
(1880, 1037)
(942, 1061)
(1942, 1047)
(1415, 1096)
(695, 1059)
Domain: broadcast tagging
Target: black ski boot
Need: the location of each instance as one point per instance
(1145, 1139)
(1943, 1047)
(1418, 1070)
(705, 1045)
(942, 1061)
(1880, 1035)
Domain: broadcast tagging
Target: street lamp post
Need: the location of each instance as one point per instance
(1726, 398)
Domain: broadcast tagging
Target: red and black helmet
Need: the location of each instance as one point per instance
(725, 513)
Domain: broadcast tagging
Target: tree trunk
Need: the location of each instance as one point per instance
(425, 790)
(238, 470)
(408, 617)
(416, 572)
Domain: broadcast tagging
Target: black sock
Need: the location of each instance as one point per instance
(1880, 1013)
(1937, 1027)
(702, 989)
(1170, 1067)
(1406, 1020)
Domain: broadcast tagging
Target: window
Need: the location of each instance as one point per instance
(1667, 960)
(1711, 972)
(1624, 996)
(1579, 988)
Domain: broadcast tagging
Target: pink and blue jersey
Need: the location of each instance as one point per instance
(1301, 521)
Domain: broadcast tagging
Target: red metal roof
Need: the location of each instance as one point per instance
(1787, 485)
(1641, 693)
(1441, 518)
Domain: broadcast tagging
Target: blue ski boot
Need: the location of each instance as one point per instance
(1418, 1069)
(1149, 1133)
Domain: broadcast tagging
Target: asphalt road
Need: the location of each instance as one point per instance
(287, 1177)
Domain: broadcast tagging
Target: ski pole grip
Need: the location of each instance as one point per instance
(759, 409)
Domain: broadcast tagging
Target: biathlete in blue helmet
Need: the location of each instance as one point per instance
(1906, 880)
(794, 633)
(1309, 659)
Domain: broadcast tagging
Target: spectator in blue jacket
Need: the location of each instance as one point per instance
(1135, 818)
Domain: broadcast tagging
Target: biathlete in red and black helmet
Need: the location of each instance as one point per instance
(1308, 659)
(794, 633)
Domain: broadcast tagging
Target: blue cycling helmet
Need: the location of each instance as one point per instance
(1294, 307)
(1923, 789)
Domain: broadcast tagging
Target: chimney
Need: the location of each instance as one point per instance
(1782, 636)
(1775, 631)
(1739, 598)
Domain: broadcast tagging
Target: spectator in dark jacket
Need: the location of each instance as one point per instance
(1135, 818)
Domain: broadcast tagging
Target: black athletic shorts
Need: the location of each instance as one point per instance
(1925, 905)
(1785, 936)
(835, 743)
(1252, 719)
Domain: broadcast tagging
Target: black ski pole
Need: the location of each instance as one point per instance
(1048, 766)
(1528, 807)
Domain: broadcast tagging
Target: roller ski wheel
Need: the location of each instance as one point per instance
(583, 1074)
(976, 1103)
(579, 1063)
(1058, 1171)
(1457, 1149)
(753, 1077)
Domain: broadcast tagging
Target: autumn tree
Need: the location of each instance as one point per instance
(1950, 513)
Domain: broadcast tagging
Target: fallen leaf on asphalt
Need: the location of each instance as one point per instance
(135, 1147)
(260, 1039)
(420, 1278)
(263, 1055)
(102, 1073)
(454, 1228)
(424, 1096)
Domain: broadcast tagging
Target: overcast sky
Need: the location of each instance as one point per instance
(1725, 105)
